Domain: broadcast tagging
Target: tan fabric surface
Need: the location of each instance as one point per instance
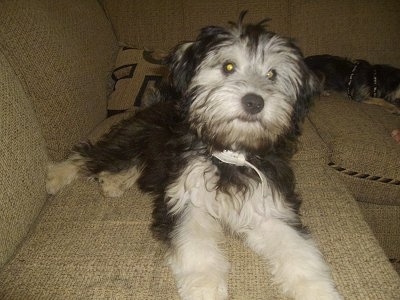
(346, 28)
(358, 137)
(355, 29)
(22, 163)
(310, 146)
(334, 218)
(163, 24)
(385, 223)
(62, 51)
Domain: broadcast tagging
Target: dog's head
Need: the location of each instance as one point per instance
(243, 87)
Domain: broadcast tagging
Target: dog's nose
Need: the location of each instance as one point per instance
(252, 103)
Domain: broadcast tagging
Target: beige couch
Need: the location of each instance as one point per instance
(56, 58)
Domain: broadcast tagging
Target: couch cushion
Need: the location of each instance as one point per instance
(22, 162)
(86, 246)
(310, 145)
(385, 223)
(63, 52)
(361, 148)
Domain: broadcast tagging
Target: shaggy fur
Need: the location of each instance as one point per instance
(215, 154)
(363, 82)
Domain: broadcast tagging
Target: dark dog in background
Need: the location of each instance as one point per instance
(363, 82)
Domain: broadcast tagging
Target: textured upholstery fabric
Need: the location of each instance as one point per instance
(363, 145)
(354, 29)
(385, 223)
(366, 159)
(62, 51)
(22, 163)
(310, 145)
(89, 247)
(163, 24)
(83, 246)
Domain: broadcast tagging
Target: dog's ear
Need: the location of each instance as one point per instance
(308, 90)
(185, 58)
(182, 66)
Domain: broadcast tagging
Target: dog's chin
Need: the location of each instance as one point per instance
(246, 133)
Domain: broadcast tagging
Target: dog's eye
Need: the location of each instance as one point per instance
(271, 74)
(228, 68)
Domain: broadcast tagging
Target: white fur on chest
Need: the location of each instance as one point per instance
(198, 186)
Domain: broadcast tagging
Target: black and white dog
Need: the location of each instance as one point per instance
(217, 156)
(363, 82)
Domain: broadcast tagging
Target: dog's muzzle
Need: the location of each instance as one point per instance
(252, 103)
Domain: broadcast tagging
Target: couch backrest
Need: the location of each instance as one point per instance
(368, 29)
(162, 24)
(62, 51)
(23, 160)
(354, 29)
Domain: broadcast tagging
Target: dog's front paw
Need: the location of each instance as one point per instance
(60, 175)
(202, 286)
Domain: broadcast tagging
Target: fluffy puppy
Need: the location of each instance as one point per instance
(215, 151)
(363, 82)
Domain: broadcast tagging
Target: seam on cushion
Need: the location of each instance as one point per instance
(365, 176)
(328, 146)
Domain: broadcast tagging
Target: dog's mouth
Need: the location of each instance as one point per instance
(249, 118)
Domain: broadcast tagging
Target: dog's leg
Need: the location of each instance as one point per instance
(295, 261)
(198, 264)
(63, 173)
(115, 171)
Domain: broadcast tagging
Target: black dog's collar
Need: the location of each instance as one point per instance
(353, 72)
(350, 82)
(375, 85)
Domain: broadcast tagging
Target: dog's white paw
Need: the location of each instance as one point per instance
(115, 184)
(326, 93)
(59, 175)
(110, 189)
(202, 286)
(395, 111)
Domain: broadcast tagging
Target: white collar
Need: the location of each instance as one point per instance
(239, 159)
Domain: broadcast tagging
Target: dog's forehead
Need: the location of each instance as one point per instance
(262, 49)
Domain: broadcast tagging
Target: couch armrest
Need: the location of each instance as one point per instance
(22, 163)
(63, 53)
